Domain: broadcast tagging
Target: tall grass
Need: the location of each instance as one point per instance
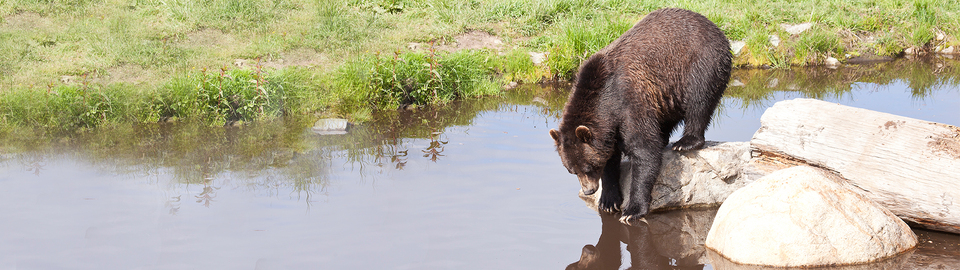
(401, 78)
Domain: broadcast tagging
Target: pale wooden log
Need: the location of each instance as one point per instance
(909, 166)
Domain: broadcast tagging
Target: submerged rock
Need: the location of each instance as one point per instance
(948, 50)
(802, 216)
(831, 62)
(331, 126)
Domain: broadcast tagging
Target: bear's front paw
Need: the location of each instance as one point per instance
(632, 220)
(631, 216)
(610, 204)
(688, 143)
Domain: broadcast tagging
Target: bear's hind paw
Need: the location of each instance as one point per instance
(688, 143)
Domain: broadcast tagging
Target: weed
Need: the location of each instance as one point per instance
(578, 39)
(817, 42)
(420, 77)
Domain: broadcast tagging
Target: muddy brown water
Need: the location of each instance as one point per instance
(469, 185)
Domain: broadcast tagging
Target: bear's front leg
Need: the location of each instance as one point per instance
(612, 195)
(645, 167)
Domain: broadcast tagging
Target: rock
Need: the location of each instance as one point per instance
(735, 83)
(331, 126)
(911, 51)
(541, 101)
(773, 83)
(538, 57)
(831, 62)
(948, 50)
(909, 166)
(804, 217)
(795, 29)
(414, 46)
(774, 40)
(736, 46)
(696, 178)
(510, 85)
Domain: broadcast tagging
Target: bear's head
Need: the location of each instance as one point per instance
(580, 157)
(589, 259)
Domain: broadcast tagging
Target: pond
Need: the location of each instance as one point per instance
(469, 185)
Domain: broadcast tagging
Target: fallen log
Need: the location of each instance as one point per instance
(910, 166)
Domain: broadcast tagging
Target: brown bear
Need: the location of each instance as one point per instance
(672, 66)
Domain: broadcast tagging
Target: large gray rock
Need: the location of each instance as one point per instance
(801, 216)
(700, 178)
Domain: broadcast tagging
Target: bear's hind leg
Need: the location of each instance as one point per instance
(704, 88)
(612, 195)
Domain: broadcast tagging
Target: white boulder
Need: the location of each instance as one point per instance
(804, 217)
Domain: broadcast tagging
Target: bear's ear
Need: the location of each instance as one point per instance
(583, 132)
(593, 73)
(556, 136)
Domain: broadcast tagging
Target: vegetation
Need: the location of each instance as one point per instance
(69, 65)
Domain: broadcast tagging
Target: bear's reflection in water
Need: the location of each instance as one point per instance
(668, 240)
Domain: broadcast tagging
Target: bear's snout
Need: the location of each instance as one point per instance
(587, 185)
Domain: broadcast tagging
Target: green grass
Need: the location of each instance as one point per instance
(119, 61)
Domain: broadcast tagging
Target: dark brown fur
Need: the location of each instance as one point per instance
(670, 67)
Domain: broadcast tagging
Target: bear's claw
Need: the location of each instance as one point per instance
(688, 143)
(609, 204)
(609, 208)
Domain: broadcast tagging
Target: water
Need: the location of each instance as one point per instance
(470, 185)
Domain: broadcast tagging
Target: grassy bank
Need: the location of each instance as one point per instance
(83, 63)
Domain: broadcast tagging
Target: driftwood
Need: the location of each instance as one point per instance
(910, 166)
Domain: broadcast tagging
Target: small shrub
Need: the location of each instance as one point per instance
(388, 80)
(221, 96)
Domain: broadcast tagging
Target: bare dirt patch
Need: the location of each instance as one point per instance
(301, 57)
(126, 73)
(208, 38)
(26, 21)
(473, 40)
